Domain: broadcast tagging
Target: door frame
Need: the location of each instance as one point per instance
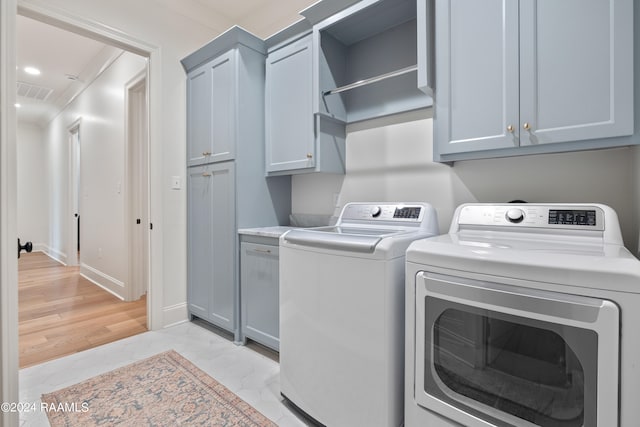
(97, 31)
(74, 180)
(8, 214)
(137, 186)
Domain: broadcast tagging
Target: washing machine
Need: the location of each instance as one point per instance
(523, 315)
(342, 313)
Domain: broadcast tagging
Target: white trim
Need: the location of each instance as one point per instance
(40, 247)
(74, 142)
(97, 31)
(45, 249)
(55, 254)
(8, 215)
(106, 282)
(155, 296)
(89, 28)
(133, 289)
(175, 314)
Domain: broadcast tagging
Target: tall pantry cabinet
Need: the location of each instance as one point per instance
(227, 188)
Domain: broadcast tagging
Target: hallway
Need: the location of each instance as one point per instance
(61, 312)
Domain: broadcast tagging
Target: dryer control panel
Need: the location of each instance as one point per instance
(553, 216)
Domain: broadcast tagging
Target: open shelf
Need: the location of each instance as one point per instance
(367, 57)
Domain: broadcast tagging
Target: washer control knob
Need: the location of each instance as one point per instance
(375, 212)
(515, 215)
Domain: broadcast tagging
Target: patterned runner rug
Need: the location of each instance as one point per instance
(163, 390)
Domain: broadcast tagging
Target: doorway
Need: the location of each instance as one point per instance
(73, 226)
(137, 165)
(97, 185)
(8, 264)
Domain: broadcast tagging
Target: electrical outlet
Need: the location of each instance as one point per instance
(175, 183)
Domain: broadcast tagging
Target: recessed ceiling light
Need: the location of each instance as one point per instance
(17, 105)
(32, 70)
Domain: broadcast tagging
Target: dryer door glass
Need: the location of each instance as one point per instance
(511, 364)
(512, 356)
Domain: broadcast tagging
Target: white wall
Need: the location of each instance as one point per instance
(33, 196)
(391, 160)
(101, 111)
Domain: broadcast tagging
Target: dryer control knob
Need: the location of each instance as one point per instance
(515, 215)
(375, 212)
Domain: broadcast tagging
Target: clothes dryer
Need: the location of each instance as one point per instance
(523, 315)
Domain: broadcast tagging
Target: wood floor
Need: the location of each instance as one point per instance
(61, 312)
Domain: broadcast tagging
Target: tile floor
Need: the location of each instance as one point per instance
(248, 373)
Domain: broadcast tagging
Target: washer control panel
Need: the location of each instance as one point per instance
(383, 212)
(583, 217)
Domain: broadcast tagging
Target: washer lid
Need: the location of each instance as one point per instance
(351, 239)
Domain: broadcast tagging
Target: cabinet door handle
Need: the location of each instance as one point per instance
(205, 174)
(309, 156)
(526, 126)
(510, 129)
(264, 251)
(206, 153)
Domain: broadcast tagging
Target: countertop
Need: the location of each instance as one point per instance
(275, 231)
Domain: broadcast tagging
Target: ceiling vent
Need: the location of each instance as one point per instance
(33, 92)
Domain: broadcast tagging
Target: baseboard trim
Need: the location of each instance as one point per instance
(174, 315)
(53, 253)
(106, 282)
(40, 247)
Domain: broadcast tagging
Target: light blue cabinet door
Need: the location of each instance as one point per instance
(212, 243)
(223, 235)
(223, 117)
(575, 79)
(211, 111)
(524, 77)
(198, 115)
(476, 94)
(259, 283)
(288, 108)
(200, 248)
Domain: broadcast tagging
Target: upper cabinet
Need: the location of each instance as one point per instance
(532, 76)
(221, 78)
(367, 61)
(210, 111)
(289, 118)
(344, 63)
(297, 140)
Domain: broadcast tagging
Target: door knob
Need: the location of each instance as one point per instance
(526, 126)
